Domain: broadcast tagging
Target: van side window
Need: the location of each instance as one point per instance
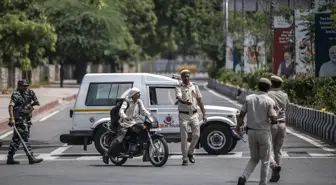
(105, 94)
(162, 95)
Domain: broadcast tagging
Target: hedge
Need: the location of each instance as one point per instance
(308, 91)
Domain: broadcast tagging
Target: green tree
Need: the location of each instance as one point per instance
(86, 32)
(141, 23)
(25, 35)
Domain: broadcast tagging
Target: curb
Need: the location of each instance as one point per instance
(48, 106)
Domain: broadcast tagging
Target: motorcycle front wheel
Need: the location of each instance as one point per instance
(158, 155)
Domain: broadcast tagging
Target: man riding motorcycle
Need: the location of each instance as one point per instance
(130, 108)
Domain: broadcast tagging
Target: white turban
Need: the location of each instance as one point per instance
(133, 91)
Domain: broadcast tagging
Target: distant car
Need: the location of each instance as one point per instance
(99, 92)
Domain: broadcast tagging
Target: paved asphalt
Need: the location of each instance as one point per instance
(303, 163)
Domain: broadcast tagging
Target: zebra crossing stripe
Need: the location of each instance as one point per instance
(97, 157)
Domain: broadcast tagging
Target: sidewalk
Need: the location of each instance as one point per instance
(49, 98)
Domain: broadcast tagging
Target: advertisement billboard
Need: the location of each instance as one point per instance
(283, 56)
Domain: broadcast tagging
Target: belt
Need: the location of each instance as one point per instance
(186, 112)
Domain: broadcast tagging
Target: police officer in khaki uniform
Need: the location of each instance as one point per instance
(189, 96)
(278, 130)
(261, 112)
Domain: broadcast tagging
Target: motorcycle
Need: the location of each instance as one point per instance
(140, 140)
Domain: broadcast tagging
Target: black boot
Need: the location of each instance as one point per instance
(275, 174)
(33, 160)
(191, 158)
(10, 160)
(241, 180)
(106, 158)
(185, 163)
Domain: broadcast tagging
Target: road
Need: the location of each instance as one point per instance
(303, 163)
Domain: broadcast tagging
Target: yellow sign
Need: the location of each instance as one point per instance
(192, 68)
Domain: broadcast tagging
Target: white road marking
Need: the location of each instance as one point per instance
(311, 140)
(3, 157)
(89, 158)
(302, 136)
(56, 152)
(48, 116)
(234, 155)
(46, 157)
(3, 136)
(284, 154)
(321, 155)
(177, 157)
(60, 150)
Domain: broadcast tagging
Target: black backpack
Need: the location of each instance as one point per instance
(114, 114)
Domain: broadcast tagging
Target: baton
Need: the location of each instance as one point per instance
(22, 141)
(238, 136)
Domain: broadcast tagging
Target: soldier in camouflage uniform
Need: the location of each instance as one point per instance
(20, 112)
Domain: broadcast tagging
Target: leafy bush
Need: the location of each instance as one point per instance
(309, 91)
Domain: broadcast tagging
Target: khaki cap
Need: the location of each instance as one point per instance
(185, 71)
(276, 78)
(265, 80)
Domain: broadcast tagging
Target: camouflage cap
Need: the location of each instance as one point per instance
(185, 71)
(265, 80)
(23, 82)
(276, 78)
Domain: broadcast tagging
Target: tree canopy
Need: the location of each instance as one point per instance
(119, 31)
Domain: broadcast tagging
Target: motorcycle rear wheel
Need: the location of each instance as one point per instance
(156, 161)
(118, 161)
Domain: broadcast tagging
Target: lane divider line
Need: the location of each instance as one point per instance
(8, 133)
(48, 116)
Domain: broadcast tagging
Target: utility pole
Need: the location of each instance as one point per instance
(226, 16)
(226, 24)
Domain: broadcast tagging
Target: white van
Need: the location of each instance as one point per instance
(99, 92)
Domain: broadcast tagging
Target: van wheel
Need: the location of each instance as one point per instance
(233, 146)
(216, 139)
(102, 139)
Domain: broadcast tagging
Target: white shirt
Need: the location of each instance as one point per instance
(134, 109)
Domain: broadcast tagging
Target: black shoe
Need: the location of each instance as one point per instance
(106, 158)
(241, 181)
(33, 160)
(185, 163)
(276, 174)
(10, 160)
(191, 158)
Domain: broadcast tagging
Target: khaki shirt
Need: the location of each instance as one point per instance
(190, 92)
(134, 109)
(259, 107)
(281, 101)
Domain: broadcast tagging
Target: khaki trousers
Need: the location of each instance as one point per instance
(278, 136)
(186, 120)
(260, 146)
